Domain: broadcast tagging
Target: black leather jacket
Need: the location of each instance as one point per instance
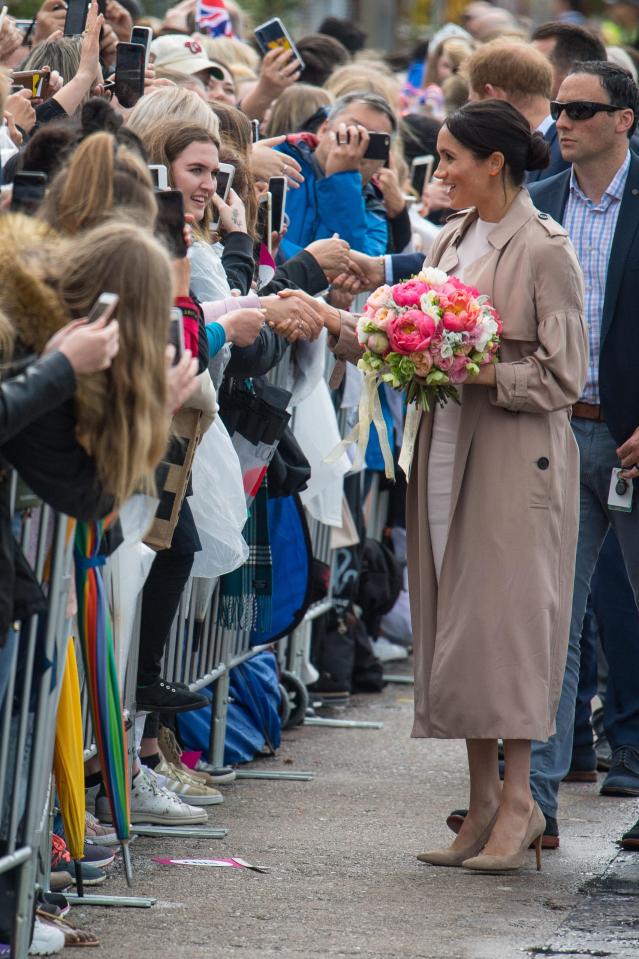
(37, 438)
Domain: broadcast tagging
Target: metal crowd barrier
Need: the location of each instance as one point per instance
(198, 653)
(32, 672)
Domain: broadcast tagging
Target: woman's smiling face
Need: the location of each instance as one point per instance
(194, 174)
(465, 176)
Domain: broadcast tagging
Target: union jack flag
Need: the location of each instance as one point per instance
(213, 18)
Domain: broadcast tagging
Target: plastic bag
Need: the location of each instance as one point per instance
(218, 504)
(323, 497)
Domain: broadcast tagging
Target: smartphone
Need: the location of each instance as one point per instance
(421, 171)
(35, 80)
(176, 333)
(264, 226)
(143, 36)
(104, 307)
(273, 34)
(378, 147)
(76, 19)
(277, 188)
(23, 25)
(160, 176)
(28, 191)
(129, 73)
(225, 175)
(255, 130)
(170, 221)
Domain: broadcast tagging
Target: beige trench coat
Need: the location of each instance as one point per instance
(490, 641)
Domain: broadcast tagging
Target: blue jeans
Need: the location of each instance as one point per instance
(551, 760)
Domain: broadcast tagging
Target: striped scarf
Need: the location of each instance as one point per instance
(246, 593)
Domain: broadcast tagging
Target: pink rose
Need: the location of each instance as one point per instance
(457, 372)
(409, 293)
(410, 332)
(453, 322)
(423, 363)
(381, 318)
(379, 297)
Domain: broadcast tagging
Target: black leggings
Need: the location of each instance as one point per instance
(160, 600)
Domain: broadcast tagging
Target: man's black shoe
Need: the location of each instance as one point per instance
(163, 696)
(549, 840)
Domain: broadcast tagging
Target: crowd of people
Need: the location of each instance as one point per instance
(530, 130)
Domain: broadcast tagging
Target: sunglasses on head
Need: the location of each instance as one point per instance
(580, 109)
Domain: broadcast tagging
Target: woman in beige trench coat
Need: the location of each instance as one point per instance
(491, 631)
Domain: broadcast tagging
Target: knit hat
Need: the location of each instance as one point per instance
(183, 54)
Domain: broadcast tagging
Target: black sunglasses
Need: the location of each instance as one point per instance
(580, 109)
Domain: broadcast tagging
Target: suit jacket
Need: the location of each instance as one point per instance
(619, 348)
(557, 163)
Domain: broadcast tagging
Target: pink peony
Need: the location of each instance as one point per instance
(379, 297)
(409, 293)
(410, 332)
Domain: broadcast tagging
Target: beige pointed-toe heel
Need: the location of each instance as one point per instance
(534, 833)
(455, 857)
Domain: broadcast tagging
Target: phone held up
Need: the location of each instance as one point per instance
(76, 18)
(176, 334)
(129, 73)
(421, 171)
(224, 177)
(37, 81)
(277, 188)
(170, 222)
(264, 228)
(143, 36)
(28, 192)
(103, 308)
(273, 34)
(160, 176)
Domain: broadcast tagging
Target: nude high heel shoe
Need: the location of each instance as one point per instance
(455, 857)
(534, 833)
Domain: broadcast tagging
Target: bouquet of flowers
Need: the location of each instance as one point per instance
(426, 336)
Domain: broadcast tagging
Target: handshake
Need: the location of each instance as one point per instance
(297, 316)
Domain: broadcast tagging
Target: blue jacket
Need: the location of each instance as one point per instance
(557, 163)
(618, 378)
(323, 206)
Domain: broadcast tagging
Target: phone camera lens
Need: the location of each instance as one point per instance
(621, 487)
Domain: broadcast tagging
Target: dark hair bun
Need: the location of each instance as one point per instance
(99, 116)
(538, 153)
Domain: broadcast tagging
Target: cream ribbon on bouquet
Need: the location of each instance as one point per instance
(411, 429)
(370, 411)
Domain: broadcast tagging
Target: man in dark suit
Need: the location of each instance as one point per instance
(598, 203)
(510, 70)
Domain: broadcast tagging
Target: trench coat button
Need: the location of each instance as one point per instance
(543, 462)
(543, 216)
(635, 191)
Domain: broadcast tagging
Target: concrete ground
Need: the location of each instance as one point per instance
(343, 879)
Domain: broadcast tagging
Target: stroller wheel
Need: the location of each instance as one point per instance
(298, 698)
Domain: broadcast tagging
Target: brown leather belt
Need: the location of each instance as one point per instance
(587, 411)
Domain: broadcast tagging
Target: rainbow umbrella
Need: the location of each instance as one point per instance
(96, 639)
(68, 762)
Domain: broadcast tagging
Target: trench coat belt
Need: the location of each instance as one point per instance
(587, 411)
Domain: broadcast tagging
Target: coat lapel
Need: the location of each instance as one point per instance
(625, 233)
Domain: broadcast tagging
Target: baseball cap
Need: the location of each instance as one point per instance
(184, 54)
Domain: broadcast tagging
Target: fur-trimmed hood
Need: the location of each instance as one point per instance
(28, 298)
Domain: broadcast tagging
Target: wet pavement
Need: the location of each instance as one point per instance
(342, 876)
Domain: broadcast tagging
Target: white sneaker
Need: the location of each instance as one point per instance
(47, 940)
(190, 790)
(388, 652)
(152, 803)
